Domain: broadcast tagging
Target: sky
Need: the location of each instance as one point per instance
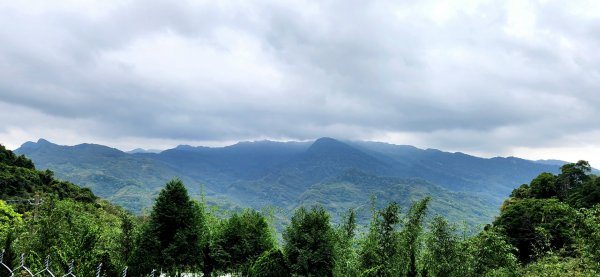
(489, 78)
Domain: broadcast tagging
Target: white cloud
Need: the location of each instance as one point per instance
(489, 77)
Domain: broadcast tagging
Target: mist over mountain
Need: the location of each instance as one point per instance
(329, 172)
(141, 150)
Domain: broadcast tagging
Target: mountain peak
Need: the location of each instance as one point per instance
(335, 150)
(329, 145)
(184, 147)
(34, 145)
(327, 140)
(43, 141)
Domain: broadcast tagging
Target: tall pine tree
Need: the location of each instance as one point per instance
(170, 241)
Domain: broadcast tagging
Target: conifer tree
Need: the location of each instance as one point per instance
(170, 240)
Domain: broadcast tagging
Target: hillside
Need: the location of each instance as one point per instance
(329, 172)
(112, 174)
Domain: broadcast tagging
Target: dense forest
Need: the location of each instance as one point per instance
(549, 227)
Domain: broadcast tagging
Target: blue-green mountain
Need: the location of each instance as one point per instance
(333, 173)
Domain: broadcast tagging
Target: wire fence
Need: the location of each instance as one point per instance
(22, 270)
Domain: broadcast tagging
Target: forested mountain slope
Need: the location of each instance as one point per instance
(330, 172)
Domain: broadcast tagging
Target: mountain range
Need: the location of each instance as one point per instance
(333, 173)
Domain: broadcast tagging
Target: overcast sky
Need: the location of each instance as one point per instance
(483, 77)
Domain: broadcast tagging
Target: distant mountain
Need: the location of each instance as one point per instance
(494, 177)
(123, 178)
(552, 162)
(336, 174)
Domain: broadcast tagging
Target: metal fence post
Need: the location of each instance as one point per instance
(98, 270)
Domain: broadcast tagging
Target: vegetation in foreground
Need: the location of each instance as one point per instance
(549, 227)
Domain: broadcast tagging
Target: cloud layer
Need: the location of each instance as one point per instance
(489, 77)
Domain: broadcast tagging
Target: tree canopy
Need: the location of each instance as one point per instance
(170, 235)
(548, 227)
(309, 243)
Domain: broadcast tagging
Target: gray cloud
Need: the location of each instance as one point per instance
(482, 76)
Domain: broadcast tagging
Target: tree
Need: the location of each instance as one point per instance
(8, 218)
(589, 234)
(270, 264)
(213, 256)
(145, 255)
(490, 251)
(170, 240)
(442, 249)
(66, 230)
(544, 186)
(8, 256)
(244, 237)
(127, 238)
(411, 234)
(346, 258)
(379, 254)
(10, 158)
(521, 192)
(571, 176)
(309, 243)
(525, 222)
(586, 195)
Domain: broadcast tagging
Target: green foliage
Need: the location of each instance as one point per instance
(8, 218)
(170, 235)
(572, 176)
(411, 234)
(354, 188)
(589, 235)
(523, 220)
(210, 232)
(547, 223)
(271, 263)
(10, 223)
(66, 229)
(145, 256)
(521, 192)
(388, 251)
(346, 262)
(130, 181)
(9, 158)
(585, 195)
(551, 224)
(9, 255)
(309, 243)
(442, 255)
(20, 180)
(556, 266)
(243, 238)
(544, 186)
(488, 252)
(293, 174)
(127, 237)
(379, 254)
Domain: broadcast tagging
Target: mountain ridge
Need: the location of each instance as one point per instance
(289, 174)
